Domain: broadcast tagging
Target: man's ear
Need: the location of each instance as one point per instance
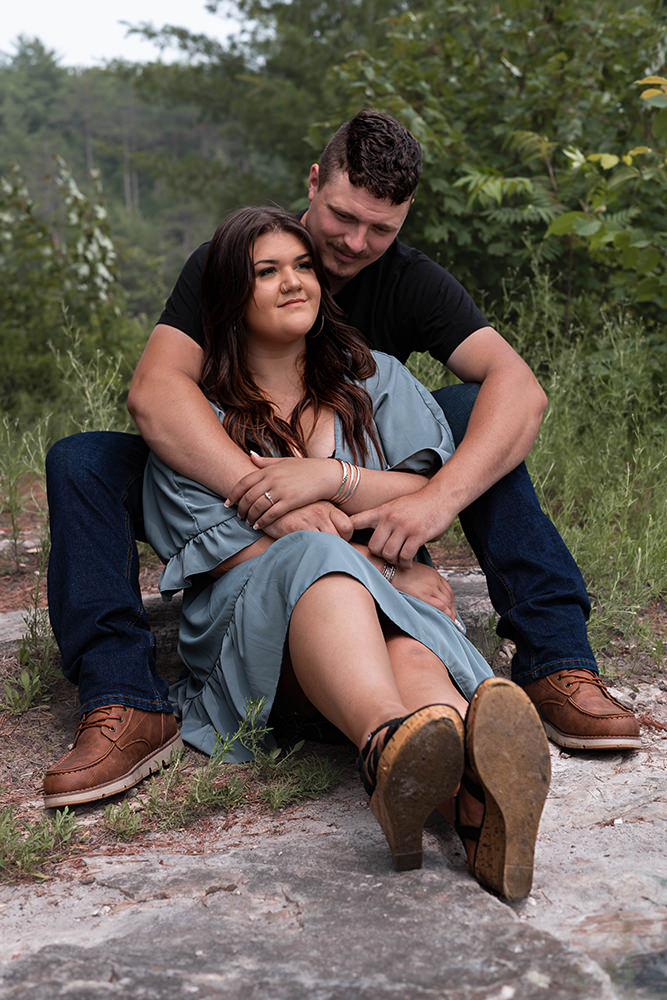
(313, 180)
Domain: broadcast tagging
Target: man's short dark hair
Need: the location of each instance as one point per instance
(377, 153)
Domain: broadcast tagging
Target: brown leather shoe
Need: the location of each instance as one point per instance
(114, 748)
(579, 713)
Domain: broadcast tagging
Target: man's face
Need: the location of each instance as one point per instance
(351, 228)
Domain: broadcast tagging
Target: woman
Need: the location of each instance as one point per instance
(326, 418)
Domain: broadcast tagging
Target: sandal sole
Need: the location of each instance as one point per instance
(420, 766)
(509, 753)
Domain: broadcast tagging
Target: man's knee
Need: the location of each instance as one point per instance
(67, 455)
(456, 402)
(92, 454)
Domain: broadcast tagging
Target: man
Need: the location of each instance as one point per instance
(359, 196)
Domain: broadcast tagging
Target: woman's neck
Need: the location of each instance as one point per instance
(279, 374)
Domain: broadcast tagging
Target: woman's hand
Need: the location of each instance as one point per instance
(290, 483)
(426, 583)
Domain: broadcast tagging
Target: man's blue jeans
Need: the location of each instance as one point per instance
(94, 483)
(534, 583)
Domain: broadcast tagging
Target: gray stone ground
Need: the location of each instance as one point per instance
(305, 904)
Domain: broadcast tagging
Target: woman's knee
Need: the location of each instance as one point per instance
(405, 648)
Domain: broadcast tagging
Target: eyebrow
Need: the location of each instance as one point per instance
(274, 260)
(388, 226)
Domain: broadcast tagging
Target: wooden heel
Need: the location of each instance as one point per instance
(420, 766)
(508, 752)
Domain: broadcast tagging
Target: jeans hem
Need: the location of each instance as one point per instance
(130, 701)
(575, 663)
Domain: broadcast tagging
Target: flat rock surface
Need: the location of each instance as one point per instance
(303, 903)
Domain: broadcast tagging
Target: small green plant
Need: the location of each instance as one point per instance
(36, 655)
(283, 776)
(122, 820)
(286, 778)
(175, 800)
(12, 474)
(25, 848)
(24, 692)
(179, 795)
(94, 383)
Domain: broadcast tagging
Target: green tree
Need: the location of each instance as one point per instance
(58, 274)
(32, 86)
(496, 94)
(262, 89)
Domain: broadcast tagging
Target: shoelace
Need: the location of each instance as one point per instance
(583, 676)
(99, 717)
(588, 677)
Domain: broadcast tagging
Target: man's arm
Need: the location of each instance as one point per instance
(174, 417)
(504, 421)
(178, 424)
(502, 428)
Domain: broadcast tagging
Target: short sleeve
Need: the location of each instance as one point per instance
(413, 432)
(182, 309)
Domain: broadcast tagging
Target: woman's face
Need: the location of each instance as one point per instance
(286, 295)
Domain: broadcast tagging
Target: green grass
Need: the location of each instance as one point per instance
(25, 848)
(36, 660)
(179, 795)
(600, 461)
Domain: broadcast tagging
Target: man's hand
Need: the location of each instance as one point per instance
(426, 583)
(320, 516)
(403, 525)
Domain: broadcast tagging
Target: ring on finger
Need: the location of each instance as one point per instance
(269, 497)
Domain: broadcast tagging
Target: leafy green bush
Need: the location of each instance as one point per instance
(600, 461)
(58, 277)
(499, 95)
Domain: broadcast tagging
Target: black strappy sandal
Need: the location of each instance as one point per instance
(420, 764)
(467, 832)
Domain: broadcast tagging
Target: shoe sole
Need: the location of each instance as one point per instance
(508, 750)
(591, 742)
(151, 763)
(420, 766)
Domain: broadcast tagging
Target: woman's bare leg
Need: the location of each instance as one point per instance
(340, 657)
(341, 661)
(421, 677)
(419, 673)
(356, 673)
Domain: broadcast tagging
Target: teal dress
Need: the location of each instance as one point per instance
(233, 630)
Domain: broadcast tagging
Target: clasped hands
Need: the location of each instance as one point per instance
(286, 494)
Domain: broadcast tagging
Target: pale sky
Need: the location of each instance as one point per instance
(86, 33)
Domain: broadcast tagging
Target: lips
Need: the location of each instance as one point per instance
(345, 256)
(292, 302)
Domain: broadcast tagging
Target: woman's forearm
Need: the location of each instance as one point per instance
(280, 485)
(376, 486)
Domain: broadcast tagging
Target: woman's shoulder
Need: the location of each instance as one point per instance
(390, 374)
(388, 366)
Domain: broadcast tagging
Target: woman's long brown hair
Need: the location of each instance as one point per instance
(336, 356)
